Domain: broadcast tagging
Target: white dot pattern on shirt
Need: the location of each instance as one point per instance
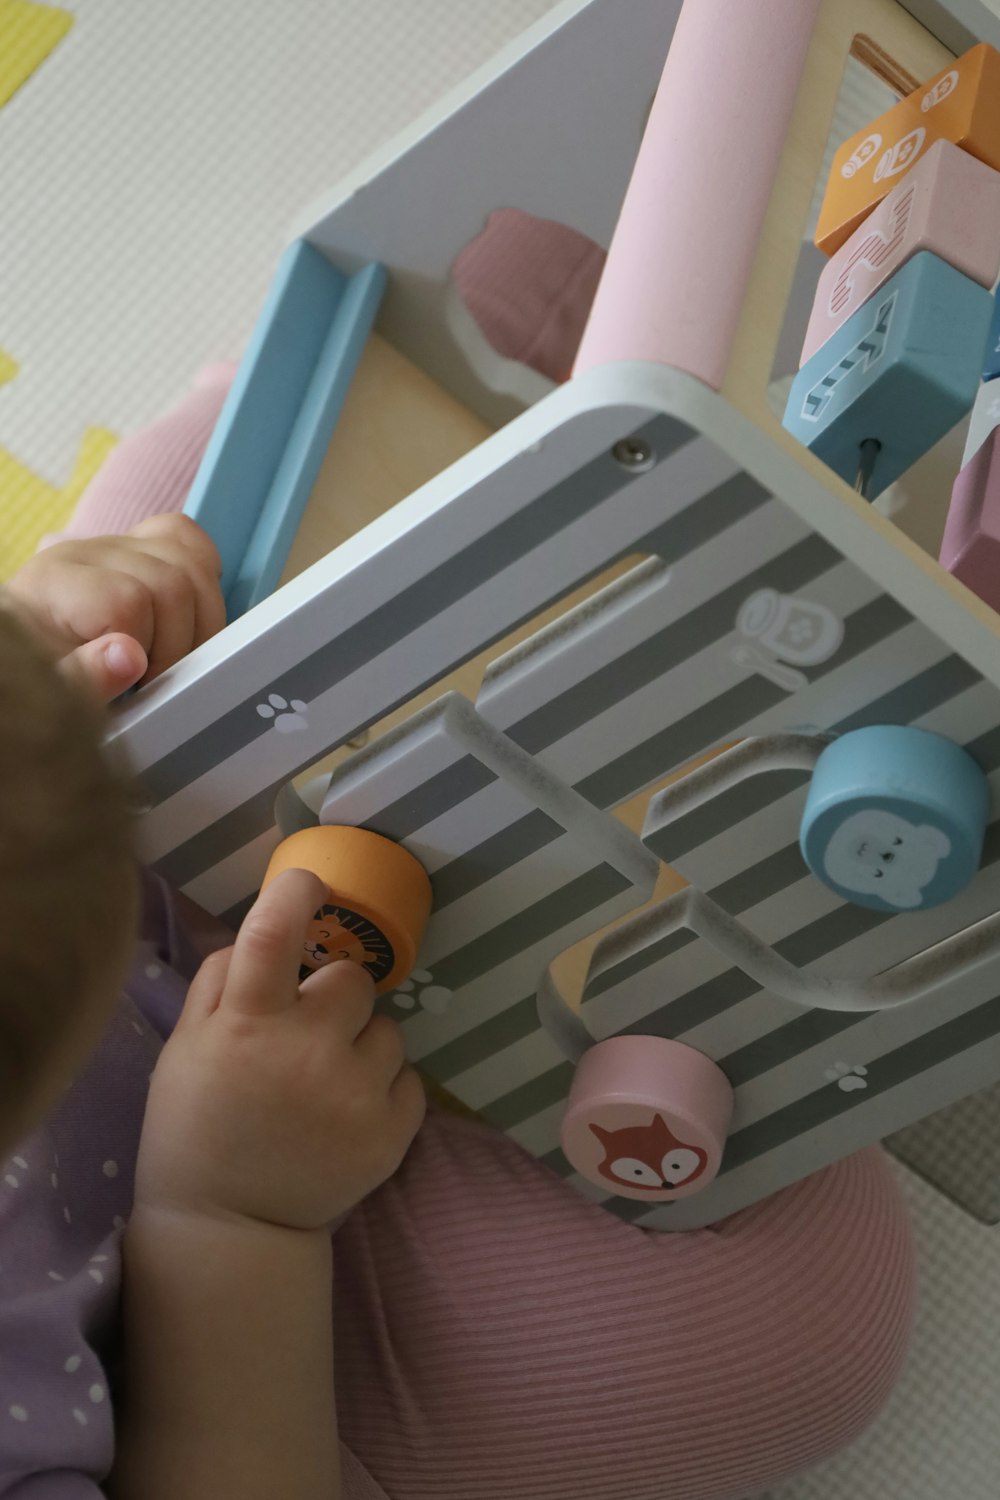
(153, 971)
(96, 1392)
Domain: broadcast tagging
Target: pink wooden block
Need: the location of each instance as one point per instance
(970, 547)
(949, 203)
(682, 251)
(647, 1118)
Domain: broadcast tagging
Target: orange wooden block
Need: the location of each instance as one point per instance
(380, 899)
(960, 104)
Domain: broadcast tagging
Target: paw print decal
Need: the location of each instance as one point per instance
(421, 991)
(289, 715)
(848, 1077)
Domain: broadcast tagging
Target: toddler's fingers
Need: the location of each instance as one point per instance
(380, 1047)
(264, 970)
(174, 528)
(174, 611)
(210, 607)
(408, 1104)
(344, 990)
(70, 596)
(207, 987)
(177, 540)
(105, 668)
(149, 596)
(186, 603)
(95, 599)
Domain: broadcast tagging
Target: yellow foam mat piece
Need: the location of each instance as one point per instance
(30, 506)
(28, 33)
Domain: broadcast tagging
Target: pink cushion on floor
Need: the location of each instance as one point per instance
(529, 283)
(151, 472)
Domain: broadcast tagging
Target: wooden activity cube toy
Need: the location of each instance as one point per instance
(714, 861)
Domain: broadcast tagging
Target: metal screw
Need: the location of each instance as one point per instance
(867, 455)
(634, 454)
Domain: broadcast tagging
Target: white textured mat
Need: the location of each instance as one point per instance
(152, 165)
(149, 171)
(938, 1438)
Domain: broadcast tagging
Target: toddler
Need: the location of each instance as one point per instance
(473, 1327)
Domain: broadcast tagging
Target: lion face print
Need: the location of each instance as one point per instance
(337, 933)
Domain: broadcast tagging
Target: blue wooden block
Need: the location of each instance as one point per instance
(991, 369)
(308, 439)
(902, 370)
(895, 818)
(277, 421)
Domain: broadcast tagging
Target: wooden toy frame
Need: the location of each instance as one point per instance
(507, 793)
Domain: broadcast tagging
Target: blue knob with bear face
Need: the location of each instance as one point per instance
(895, 818)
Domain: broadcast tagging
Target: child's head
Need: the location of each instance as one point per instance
(67, 880)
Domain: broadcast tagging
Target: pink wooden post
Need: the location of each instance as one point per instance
(680, 258)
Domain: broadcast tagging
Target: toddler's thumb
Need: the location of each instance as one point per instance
(205, 989)
(107, 667)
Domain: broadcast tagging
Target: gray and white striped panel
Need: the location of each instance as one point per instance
(373, 624)
(522, 869)
(742, 621)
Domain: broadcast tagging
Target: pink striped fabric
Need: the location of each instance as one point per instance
(529, 284)
(151, 472)
(500, 1338)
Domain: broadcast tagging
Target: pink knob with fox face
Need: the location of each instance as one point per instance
(647, 1118)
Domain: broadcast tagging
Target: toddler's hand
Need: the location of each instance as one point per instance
(117, 610)
(277, 1101)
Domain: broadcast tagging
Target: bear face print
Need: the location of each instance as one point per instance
(879, 853)
(895, 817)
